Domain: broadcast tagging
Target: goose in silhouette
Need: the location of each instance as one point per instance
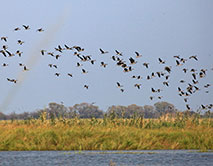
(166, 83)
(25, 68)
(93, 62)
(9, 53)
(3, 53)
(132, 61)
(204, 71)
(57, 56)
(103, 52)
(137, 85)
(139, 77)
(26, 27)
(125, 70)
(43, 52)
(118, 53)
(17, 29)
(19, 53)
(177, 56)
(51, 53)
(158, 74)
(40, 30)
(185, 70)
(78, 64)
(201, 74)
(146, 65)
(194, 75)
(57, 74)
(185, 100)
(160, 97)
(20, 42)
(113, 58)
(161, 61)
(151, 97)
(178, 63)
(167, 77)
(188, 107)
(137, 54)
(103, 64)
(50, 65)
(86, 86)
(148, 77)
(67, 47)
(195, 82)
(4, 38)
(207, 85)
(84, 71)
(183, 60)
(59, 48)
(153, 75)
(119, 85)
(153, 90)
(4, 64)
(193, 57)
(78, 48)
(5, 47)
(12, 80)
(168, 69)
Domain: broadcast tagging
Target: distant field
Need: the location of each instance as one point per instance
(107, 134)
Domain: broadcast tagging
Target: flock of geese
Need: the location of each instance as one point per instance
(126, 64)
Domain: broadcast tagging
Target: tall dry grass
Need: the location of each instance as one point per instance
(180, 132)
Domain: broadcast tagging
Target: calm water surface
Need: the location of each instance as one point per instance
(115, 158)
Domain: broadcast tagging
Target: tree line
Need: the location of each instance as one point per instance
(86, 110)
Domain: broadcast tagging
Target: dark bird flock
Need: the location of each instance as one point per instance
(127, 64)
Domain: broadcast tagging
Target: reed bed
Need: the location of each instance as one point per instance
(137, 133)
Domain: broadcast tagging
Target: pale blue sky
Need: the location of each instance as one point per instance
(154, 28)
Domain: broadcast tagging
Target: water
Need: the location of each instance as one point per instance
(105, 158)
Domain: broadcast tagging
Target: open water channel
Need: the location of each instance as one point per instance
(106, 158)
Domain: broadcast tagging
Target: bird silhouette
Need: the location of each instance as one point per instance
(103, 52)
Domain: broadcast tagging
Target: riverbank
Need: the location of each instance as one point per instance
(106, 134)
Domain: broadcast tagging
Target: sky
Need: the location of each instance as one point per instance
(155, 29)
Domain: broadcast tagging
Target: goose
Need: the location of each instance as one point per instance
(17, 29)
(168, 69)
(132, 61)
(103, 52)
(194, 57)
(161, 61)
(26, 27)
(138, 55)
(43, 51)
(3, 53)
(4, 38)
(118, 53)
(119, 85)
(20, 42)
(137, 85)
(40, 30)
(84, 71)
(146, 65)
(86, 86)
(103, 64)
